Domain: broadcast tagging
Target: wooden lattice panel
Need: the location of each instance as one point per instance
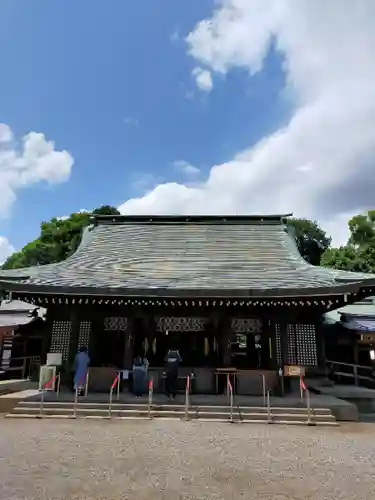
(302, 345)
(306, 345)
(292, 346)
(84, 334)
(60, 340)
(115, 323)
(180, 324)
(246, 325)
(279, 353)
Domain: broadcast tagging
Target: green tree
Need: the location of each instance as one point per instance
(359, 253)
(349, 258)
(311, 239)
(362, 229)
(58, 239)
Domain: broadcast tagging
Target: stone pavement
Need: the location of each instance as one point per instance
(175, 460)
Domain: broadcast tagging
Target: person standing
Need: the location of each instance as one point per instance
(139, 377)
(81, 364)
(172, 363)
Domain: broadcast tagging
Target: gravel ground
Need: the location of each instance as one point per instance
(184, 460)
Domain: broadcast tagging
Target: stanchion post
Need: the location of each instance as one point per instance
(110, 403)
(264, 389)
(75, 402)
(230, 394)
(308, 407)
(301, 387)
(150, 394)
(116, 381)
(58, 385)
(42, 401)
(269, 416)
(187, 395)
(118, 387)
(87, 382)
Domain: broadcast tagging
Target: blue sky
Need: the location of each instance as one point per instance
(111, 83)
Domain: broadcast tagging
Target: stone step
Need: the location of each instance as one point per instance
(141, 411)
(175, 407)
(331, 423)
(167, 413)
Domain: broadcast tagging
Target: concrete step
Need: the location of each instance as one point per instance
(31, 409)
(175, 407)
(219, 420)
(178, 413)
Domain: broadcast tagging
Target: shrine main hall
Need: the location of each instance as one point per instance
(227, 291)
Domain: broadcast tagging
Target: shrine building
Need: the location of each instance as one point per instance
(227, 291)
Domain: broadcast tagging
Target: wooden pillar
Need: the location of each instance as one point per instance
(356, 360)
(74, 333)
(225, 340)
(321, 348)
(129, 342)
(269, 333)
(284, 342)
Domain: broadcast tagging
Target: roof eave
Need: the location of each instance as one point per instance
(32, 289)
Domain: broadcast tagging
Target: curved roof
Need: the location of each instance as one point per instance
(229, 254)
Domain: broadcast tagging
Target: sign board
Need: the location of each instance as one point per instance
(367, 338)
(294, 371)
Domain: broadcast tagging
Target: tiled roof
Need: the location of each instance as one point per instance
(177, 253)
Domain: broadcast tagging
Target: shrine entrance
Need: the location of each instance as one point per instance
(192, 336)
(250, 346)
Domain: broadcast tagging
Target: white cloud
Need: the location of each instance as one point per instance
(186, 168)
(6, 249)
(322, 163)
(131, 122)
(203, 79)
(6, 134)
(35, 161)
(175, 36)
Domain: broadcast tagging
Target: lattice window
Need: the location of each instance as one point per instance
(279, 352)
(246, 325)
(292, 346)
(84, 334)
(306, 344)
(302, 345)
(180, 324)
(114, 323)
(60, 339)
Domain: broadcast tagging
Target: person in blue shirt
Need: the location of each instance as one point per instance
(81, 364)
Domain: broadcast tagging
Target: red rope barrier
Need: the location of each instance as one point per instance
(50, 383)
(115, 381)
(151, 384)
(230, 388)
(302, 384)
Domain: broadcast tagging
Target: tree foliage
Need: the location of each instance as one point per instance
(58, 239)
(350, 258)
(359, 253)
(311, 239)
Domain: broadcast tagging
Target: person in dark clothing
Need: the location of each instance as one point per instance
(172, 363)
(139, 377)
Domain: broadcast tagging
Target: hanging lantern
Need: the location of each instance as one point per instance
(206, 347)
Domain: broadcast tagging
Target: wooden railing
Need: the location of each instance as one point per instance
(354, 371)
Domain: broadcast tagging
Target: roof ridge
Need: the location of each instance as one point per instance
(190, 219)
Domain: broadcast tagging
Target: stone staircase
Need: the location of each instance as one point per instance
(211, 413)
